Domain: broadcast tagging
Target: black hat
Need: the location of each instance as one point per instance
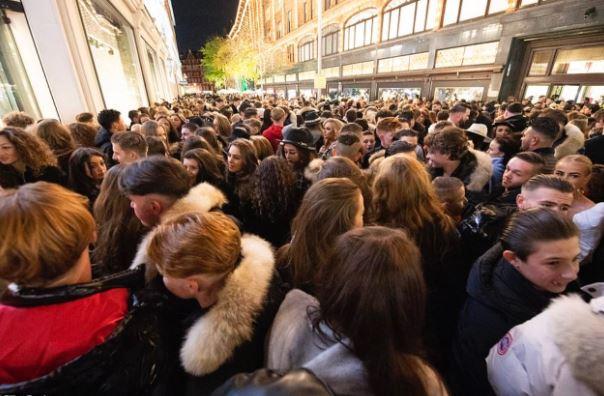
(299, 137)
(515, 123)
(311, 117)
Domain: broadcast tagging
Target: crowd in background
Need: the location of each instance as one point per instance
(232, 243)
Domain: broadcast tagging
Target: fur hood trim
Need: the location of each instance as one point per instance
(482, 173)
(201, 198)
(579, 333)
(214, 337)
(312, 169)
(378, 154)
(574, 140)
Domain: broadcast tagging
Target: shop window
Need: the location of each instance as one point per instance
(330, 43)
(535, 91)
(398, 93)
(292, 93)
(403, 63)
(306, 51)
(446, 94)
(111, 43)
(307, 75)
(357, 69)
(331, 72)
(580, 60)
(565, 92)
(404, 17)
(361, 30)
(539, 63)
(290, 77)
(480, 54)
(356, 93)
(595, 92)
(278, 78)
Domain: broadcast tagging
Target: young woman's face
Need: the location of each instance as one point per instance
(574, 172)
(175, 121)
(191, 166)
(96, 168)
(291, 154)
(234, 160)
(493, 150)
(552, 265)
(368, 142)
(8, 153)
(329, 132)
(165, 124)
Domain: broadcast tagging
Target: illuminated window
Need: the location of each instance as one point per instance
(290, 77)
(290, 53)
(111, 43)
(357, 69)
(403, 63)
(579, 61)
(306, 51)
(279, 78)
(479, 54)
(307, 75)
(446, 94)
(330, 43)
(331, 3)
(331, 72)
(539, 63)
(524, 3)
(404, 17)
(535, 91)
(463, 10)
(361, 30)
(288, 23)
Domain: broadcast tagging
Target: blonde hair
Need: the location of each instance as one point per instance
(43, 232)
(195, 243)
(581, 159)
(338, 124)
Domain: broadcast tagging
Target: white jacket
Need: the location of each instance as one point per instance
(590, 223)
(559, 352)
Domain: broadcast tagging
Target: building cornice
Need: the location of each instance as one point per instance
(241, 11)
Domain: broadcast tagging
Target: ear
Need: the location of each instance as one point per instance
(511, 257)
(520, 201)
(156, 207)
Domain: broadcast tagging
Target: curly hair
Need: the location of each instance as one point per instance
(274, 174)
(32, 150)
(17, 119)
(451, 140)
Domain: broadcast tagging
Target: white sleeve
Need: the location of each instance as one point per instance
(507, 373)
(589, 222)
(566, 384)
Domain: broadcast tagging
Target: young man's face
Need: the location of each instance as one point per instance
(436, 159)
(516, 173)
(368, 142)
(122, 156)
(146, 208)
(386, 137)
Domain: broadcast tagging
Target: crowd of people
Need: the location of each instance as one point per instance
(251, 245)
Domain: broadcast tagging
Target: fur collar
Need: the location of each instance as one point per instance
(214, 337)
(312, 169)
(482, 173)
(201, 198)
(579, 333)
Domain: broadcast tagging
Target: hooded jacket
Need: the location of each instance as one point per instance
(559, 352)
(499, 298)
(102, 140)
(474, 170)
(570, 143)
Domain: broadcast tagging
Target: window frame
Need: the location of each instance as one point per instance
(399, 8)
(460, 7)
(334, 37)
(312, 50)
(352, 27)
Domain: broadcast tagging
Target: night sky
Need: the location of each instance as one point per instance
(198, 20)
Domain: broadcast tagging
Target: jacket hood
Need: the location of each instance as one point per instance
(213, 338)
(496, 283)
(201, 198)
(579, 333)
(571, 141)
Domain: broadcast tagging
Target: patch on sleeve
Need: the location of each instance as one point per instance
(504, 344)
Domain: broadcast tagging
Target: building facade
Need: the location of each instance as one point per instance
(444, 49)
(192, 71)
(59, 58)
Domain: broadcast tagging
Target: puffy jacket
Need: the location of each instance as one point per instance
(125, 356)
(499, 298)
(559, 352)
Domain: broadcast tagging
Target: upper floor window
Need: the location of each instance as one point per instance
(361, 30)
(290, 53)
(404, 17)
(462, 10)
(524, 3)
(288, 22)
(329, 45)
(307, 11)
(306, 51)
(331, 3)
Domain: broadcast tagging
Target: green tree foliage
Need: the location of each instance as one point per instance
(226, 61)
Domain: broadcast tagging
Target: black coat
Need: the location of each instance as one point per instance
(594, 149)
(129, 362)
(499, 298)
(103, 142)
(11, 178)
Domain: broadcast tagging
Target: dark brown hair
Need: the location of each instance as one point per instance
(548, 181)
(83, 134)
(31, 150)
(155, 175)
(132, 141)
(274, 193)
(210, 169)
(451, 141)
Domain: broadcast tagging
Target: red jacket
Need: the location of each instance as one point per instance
(274, 135)
(36, 340)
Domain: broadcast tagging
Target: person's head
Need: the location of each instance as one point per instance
(546, 191)
(274, 174)
(177, 121)
(253, 125)
(599, 119)
(153, 128)
(241, 157)
(401, 147)
(576, 169)
(56, 135)
(403, 196)
(513, 109)
(349, 146)
(386, 129)
(351, 115)
(155, 146)
(44, 236)
(557, 115)
(446, 146)
(152, 185)
(375, 276)
(222, 125)
(277, 115)
(111, 120)
(521, 168)
(187, 130)
(128, 147)
(368, 141)
(194, 253)
(542, 132)
(458, 114)
(352, 128)
(203, 166)
(134, 116)
(86, 169)
(297, 147)
(442, 115)
(17, 119)
(504, 147)
(18, 147)
(331, 129)
(83, 134)
(86, 118)
(330, 207)
(409, 135)
(452, 195)
(544, 247)
(502, 129)
(263, 147)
